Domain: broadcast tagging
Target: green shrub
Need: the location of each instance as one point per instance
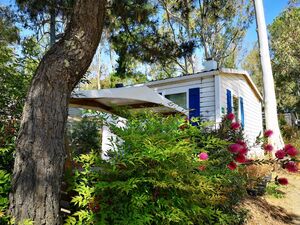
(4, 191)
(273, 191)
(155, 177)
(84, 135)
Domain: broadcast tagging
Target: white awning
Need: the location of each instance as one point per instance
(136, 98)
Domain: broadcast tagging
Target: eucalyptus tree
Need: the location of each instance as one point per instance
(215, 26)
(252, 64)
(285, 48)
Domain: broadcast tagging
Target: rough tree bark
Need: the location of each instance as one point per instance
(40, 152)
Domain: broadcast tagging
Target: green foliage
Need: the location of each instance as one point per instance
(273, 191)
(45, 17)
(153, 177)
(285, 45)
(84, 135)
(4, 190)
(129, 78)
(16, 72)
(9, 33)
(166, 33)
(290, 134)
(252, 64)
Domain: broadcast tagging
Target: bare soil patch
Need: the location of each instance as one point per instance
(268, 210)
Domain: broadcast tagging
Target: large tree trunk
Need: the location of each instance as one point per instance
(40, 152)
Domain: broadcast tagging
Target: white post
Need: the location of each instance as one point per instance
(268, 80)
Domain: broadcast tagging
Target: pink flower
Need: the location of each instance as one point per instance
(291, 150)
(235, 126)
(201, 168)
(240, 158)
(287, 146)
(268, 133)
(283, 181)
(240, 142)
(244, 151)
(235, 148)
(230, 116)
(268, 148)
(291, 167)
(203, 156)
(232, 166)
(280, 154)
(249, 161)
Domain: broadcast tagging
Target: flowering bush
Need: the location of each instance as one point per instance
(161, 173)
(232, 131)
(165, 171)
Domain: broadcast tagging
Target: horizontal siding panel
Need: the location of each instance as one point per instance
(207, 89)
(190, 84)
(207, 109)
(207, 104)
(207, 99)
(252, 106)
(208, 84)
(207, 94)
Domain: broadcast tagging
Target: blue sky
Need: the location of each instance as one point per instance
(272, 9)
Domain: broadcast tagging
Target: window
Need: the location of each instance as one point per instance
(179, 99)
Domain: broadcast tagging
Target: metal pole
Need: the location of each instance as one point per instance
(270, 104)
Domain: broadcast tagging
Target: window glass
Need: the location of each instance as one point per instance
(179, 99)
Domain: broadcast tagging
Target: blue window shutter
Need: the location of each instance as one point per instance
(194, 102)
(229, 102)
(242, 112)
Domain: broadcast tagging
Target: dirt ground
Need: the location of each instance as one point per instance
(268, 210)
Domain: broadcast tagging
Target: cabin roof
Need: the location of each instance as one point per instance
(199, 75)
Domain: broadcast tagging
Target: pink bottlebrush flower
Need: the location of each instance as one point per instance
(201, 168)
(268, 133)
(291, 150)
(283, 181)
(287, 146)
(240, 158)
(243, 151)
(240, 142)
(280, 154)
(268, 148)
(230, 116)
(235, 126)
(203, 156)
(232, 166)
(291, 167)
(249, 161)
(235, 148)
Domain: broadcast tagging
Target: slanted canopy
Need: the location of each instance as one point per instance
(135, 98)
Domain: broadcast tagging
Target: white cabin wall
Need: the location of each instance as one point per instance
(207, 94)
(252, 105)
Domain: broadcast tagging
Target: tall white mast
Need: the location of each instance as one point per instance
(270, 104)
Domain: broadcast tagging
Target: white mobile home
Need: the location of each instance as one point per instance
(208, 94)
(213, 94)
